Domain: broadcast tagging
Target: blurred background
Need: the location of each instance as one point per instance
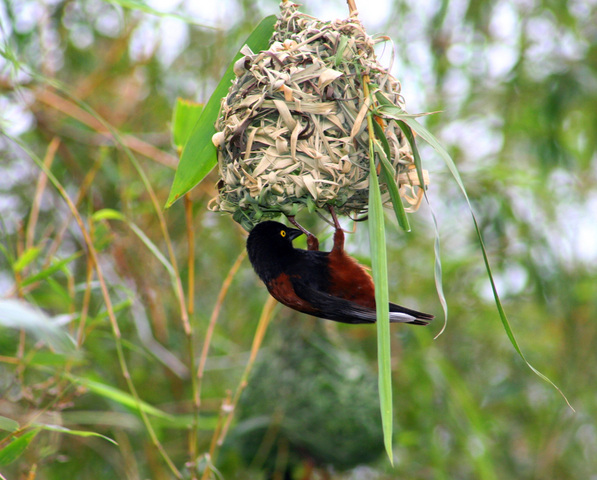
(87, 90)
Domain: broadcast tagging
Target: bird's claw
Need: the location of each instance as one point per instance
(335, 218)
(312, 241)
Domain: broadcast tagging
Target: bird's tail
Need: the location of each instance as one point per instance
(400, 314)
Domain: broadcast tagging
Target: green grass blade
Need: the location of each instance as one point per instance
(379, 265)
(118, 396)
(77, 433)
(26, 258)
(107, 214)
(15, 449)
(388, 175)
(439, 287)
(199, 155)
(110, 214)
(437, 271)
(47, 272)
(430, 138)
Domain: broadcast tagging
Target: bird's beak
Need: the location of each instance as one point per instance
(293, 233)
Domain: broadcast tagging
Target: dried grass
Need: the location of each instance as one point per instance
(292, 130)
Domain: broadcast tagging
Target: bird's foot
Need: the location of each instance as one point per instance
(312, 241)
(334, 218)
(339, 233)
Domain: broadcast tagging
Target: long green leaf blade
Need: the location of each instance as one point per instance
(26, 258)
(388, 174)
(430, 138)
(439, 287)
(77, 433)
(50, 270)
(379, 265)
(118, 396)
(199, 155)
(15, 449)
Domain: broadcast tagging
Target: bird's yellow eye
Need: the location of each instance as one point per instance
(283, 233)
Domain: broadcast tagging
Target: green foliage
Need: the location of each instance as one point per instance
(184, 117)
(20, 315)
(299, 384)
(16, 447)
(112, 345)
(199, 155)
(379, 265)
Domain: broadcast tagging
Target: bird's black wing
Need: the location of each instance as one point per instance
(342, 310)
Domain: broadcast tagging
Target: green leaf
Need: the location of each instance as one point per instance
(383, 151)
(26, 258)
(18, 314)
(154, 250)
(184, 119)
(107, 214)
(199, 155)
(78, 433)
(430, 138)
(8, 424)
(119, 396)
(45, 273)
(379, 266)
(413, 145)
(15, 449)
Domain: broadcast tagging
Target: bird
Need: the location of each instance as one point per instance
(329, 285)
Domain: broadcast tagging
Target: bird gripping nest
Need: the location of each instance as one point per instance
(292, 131)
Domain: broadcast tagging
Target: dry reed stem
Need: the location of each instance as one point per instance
(188, 208)
(85, 305)
(264, 320)
(40, 186)
(97, 120)
(87, 182)
(229, 406)
(214, 317)
(111, 315)
(72, 110)
(192, 440)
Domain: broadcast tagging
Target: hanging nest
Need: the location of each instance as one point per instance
(292, 132)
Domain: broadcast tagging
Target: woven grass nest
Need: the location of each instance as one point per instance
(292, 131)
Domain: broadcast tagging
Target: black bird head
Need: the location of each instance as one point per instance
(270, 245)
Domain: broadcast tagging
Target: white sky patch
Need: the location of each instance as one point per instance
(143, 41)
(15, 118)
(504, 23)
(502, 59)
(578, 227)
(219, 13)
(174, 37)
(511, 281)
(109, 22)
(479, 136)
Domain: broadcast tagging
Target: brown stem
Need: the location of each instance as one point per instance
(352, 7)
